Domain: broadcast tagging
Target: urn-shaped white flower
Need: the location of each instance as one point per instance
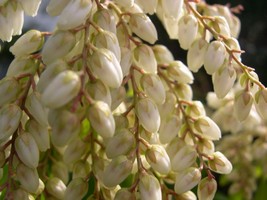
(10, 116)
(214, 56)
(62, 89)
(76, 189)
(143, 27)
(196, 54)
(57, 46)
(187, 179)
(81, 8)
(148, 114)
(149, 188)
(144, 58)
(158, 159)
(101, 119)
(105, 66)
(29, 43)
(219, 163)
(187, 31)
(28, 178)
(153, 87)
(119, 168)
(27, 149)
(206, 189)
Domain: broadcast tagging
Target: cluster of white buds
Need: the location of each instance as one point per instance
(96, 110)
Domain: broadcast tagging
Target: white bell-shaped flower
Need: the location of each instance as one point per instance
(81, 8)
(105, 66)
(214, 57)
(148, 114)
(143, 27)
(187, 31)
(196, 54)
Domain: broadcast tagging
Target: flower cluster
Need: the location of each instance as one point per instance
(97, 110)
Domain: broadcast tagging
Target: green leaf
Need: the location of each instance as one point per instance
(261, 192)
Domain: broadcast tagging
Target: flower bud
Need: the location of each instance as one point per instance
(50, 72)
(206, 189)
(65, 126)
(106, 20)
(81, 169)
(22, 194)
(36, 108)
(101, 119)
(105, 66)
(172, 8)
(148, 6)
(170, 24)
(56, 187)
(261, 103)
(180, 73)
(60, 170)
(123, 194)
(22, 65)
(189, 195)
(184, 91)
(99, 91)
(207, 128)
(223, 80)
(63, 88)
(125, 3)
(29, 43)
(28, 178)
(10, 116)
(187, 179)
(167, 108)
(143, 27)
(235, 26)
(149, 188)
(108, 40)
(27, 149)
(243, 103)
(55, 7)
(153, 87)
(148, 114)
(214, 56)
(158, 158)
(181, 154)
(118, 95)
(126, 60)
(195, 109)
(169, 128)
(30, 7)
(41, 188)
(119, 168)
(145, 59)
(11, 88)
(205, 146)
(81, 8)
(76, 189)
(219, 163)
(57, 46)
(187, 32)
(11, 21)
(39, 133)
(162, 54)
(74, 151)
(120, 144)
(221, 26)
(196, 54)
